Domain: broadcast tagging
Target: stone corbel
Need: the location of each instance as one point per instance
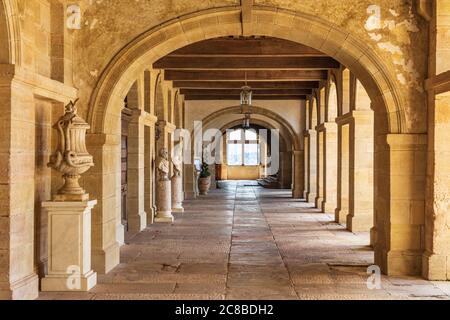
(149, 119)
(439, 84)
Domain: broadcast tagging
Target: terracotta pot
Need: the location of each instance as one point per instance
(204, 184)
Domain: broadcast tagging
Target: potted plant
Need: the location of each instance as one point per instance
(204, 181)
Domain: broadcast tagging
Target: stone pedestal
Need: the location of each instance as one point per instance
(69, 247)
(177, 194)
(164, 202)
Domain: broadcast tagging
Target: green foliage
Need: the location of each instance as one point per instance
(205, 171)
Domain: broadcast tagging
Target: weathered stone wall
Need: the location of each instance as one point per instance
(391, 28)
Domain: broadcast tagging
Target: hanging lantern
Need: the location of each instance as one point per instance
(246, 96)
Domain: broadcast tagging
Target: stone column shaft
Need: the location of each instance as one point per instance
(137, 217)
(436, 259)
(329, 181)
(361, 170)
(299, 175)
(343, 195)
(18, 279)
(400, 202)
(311, 194)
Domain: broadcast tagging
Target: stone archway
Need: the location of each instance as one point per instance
(9, 32)
(306, 29)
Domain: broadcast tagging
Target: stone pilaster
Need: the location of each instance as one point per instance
(103, 184)
(329, 181)
(299, 175)
(18, 279)
(137, 217)
(436, 259)
(343, 190)
(361, 172)
(320, 167)
(311, 171)
(400, 202)
(190, 185)
(149, 159)
(177, 194)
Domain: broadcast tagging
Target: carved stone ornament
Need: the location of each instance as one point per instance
(71, 157)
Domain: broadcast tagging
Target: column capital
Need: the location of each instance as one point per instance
(404, 141)
(327, 126)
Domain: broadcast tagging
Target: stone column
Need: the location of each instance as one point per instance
(311, 193)
(69, 250)
(177, 193)
(177, 179)
(299, 175)
(189, 182)
(212, 170)
(103, 184)
(436, 259)
(164, 202)
(149, 168)
(400, 202)
(361, 190)
(329, 181)
(343, 201)
(18, 279)
(320, 172)
(137, 217)
(286, 170)
(164, 189)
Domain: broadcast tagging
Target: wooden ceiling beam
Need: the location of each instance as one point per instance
(237, 92)
(237, 98)
(240, 75)
(240, 84)
(246, 63)
(247, 47)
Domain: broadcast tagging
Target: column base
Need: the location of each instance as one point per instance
(190, 195)
(399, 263)
(103, 261)
(329, 207)
(69, 283)
(120, 234)
(137, 223)
(166, 218)
(341, 216)
(297, 194)
(311, 197)
(373, 237)
(24, 289)
(319, 203)
(360, 223)
(435, 267)
(178, 210)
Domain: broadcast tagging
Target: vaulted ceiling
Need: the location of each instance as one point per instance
(217, 69)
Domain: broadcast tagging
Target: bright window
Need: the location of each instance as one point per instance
(243, 152)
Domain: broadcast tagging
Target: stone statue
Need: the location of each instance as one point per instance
(71, 157)
(177, 162)
(163, 166)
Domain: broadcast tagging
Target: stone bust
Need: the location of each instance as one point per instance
(163, 165)
(177, 164)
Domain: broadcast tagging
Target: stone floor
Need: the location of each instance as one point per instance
(244, 242)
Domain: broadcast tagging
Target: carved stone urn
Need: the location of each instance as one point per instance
(71, 157)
